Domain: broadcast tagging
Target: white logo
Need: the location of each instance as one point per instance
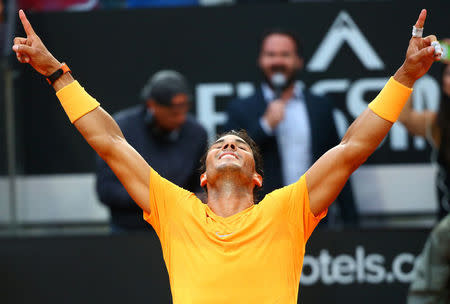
(223, 235)
(343, 30)
(362, 267)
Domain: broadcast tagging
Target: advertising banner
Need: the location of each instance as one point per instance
(368, 267)
(350, 49)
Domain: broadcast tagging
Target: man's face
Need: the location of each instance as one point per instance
(279, 54)
(230, 153)
(170, 117)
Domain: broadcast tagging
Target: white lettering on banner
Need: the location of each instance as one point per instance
(402, 259)
(206, 105)
(343, 30)
(356, 104)
(314, 271)
(374, 266)
(326, 86)
(426, 96)
(345, 269)
(206, 94)
(324, 262)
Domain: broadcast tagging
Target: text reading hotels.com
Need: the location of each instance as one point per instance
(362, 267)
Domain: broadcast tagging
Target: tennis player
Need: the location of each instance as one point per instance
(231, 250)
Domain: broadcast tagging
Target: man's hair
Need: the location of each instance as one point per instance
(281, 31)
(255, 151)
(164, 85)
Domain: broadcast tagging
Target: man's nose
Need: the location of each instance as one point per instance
(231, 146)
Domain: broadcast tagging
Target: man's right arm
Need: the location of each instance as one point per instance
(104, 135)
(97, 127)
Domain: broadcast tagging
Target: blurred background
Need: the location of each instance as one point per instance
(56, 244)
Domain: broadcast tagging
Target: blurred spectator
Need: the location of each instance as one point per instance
(435, 127)
(292, 126)
(2, 11)
(165, 135)
(431, 282)
(59, 5)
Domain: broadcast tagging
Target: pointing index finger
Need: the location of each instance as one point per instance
(421, 20)
(26, 24)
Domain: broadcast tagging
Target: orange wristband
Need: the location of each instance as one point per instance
(391, 100)
(76, 101)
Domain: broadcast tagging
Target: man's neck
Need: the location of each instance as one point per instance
(228, 197)
(287, 92)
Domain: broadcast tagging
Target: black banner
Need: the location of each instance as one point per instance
(339, 267)
(350, 49)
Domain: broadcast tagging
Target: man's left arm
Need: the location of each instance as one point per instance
(328, 175)
(345, 200)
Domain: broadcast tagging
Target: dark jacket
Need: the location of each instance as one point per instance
(246, 113)
(177, 160)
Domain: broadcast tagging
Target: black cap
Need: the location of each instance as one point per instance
(164, 85)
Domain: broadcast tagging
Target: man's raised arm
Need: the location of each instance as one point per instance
(96, 125)
(326, 178)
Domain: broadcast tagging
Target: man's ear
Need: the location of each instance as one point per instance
(203, 179)
(257, 179)
(150, 104)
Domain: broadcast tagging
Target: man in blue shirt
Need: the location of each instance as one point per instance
(281, 106)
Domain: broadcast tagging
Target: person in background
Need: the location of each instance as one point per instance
(167, 137)
(292, 127)
(431, 282)
(435, 127)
